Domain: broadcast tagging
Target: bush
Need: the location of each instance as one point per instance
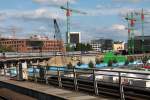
(91, 65)
(145, 59)
(131, 60)
(115, 61)
(110, 62)
(97, 61)
(69, 66)
(101, 61)
(79, 63)
(126, 63)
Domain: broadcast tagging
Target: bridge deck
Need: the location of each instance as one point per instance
(50, 90)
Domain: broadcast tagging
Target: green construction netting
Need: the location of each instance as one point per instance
(110, 56)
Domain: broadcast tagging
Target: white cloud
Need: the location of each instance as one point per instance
(53, 2)
(133, 1)
(108, 11)
(41, 13)
(2, 16)
(118, 27)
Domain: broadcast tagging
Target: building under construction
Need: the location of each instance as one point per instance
(138, 44)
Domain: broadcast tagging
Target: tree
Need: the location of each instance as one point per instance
(131, 60)
(91, 65)
(89, 47)
(69, 66)
(114, 61)
(83, 47)
(110, 63)
(70, 48)
(126, 62)
(6, 48)
(101, 61)
(79, 63)
(97, 61)
(145, 59)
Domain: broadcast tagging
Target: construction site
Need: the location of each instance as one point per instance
(41, 68)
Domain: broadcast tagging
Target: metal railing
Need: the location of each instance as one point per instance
(97, 81)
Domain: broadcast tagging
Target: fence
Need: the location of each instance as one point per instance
(123, 84)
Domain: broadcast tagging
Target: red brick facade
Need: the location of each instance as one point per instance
(22, 45)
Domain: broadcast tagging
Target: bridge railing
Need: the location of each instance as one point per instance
(93, 80)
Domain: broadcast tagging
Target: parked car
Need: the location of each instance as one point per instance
(147, 66)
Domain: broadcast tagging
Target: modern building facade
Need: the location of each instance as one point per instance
(73, 37)
(102, 44)
(33, 45)
(138, 44)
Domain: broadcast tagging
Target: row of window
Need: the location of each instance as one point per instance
(11, 42)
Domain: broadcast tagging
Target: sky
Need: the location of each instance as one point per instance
(104, 18)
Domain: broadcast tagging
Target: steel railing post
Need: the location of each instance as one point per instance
(59, 77)
(95, 82)
(121, 87)
(75, 79)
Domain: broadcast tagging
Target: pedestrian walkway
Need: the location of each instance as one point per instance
(50, 90)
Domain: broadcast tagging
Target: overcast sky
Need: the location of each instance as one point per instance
(104, 18)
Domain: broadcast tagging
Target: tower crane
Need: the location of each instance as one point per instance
(68, 14)
(142, 18)
(131, 23)
(58, 37)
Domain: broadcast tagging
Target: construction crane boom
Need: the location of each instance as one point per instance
(73, 10)
(57, 34)
(68, 14)
(57, 37)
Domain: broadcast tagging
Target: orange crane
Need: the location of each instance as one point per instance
(68, 14)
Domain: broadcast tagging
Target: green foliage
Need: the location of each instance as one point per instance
(110, 62)
(97, 61)
(145, 59)
(69, 48)
(114, 61)
(101, 61)
(6, 49)
(79, 63)
(69, 66)
(126, 62)
(91, 65)
(110, 56)
(88, 47)
(83, 47)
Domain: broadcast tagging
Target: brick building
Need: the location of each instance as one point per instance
(32, 45)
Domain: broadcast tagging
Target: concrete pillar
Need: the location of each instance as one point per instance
(24, 70)
(20, 74)
(5, 66)
(59, 77)
(37, 62)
